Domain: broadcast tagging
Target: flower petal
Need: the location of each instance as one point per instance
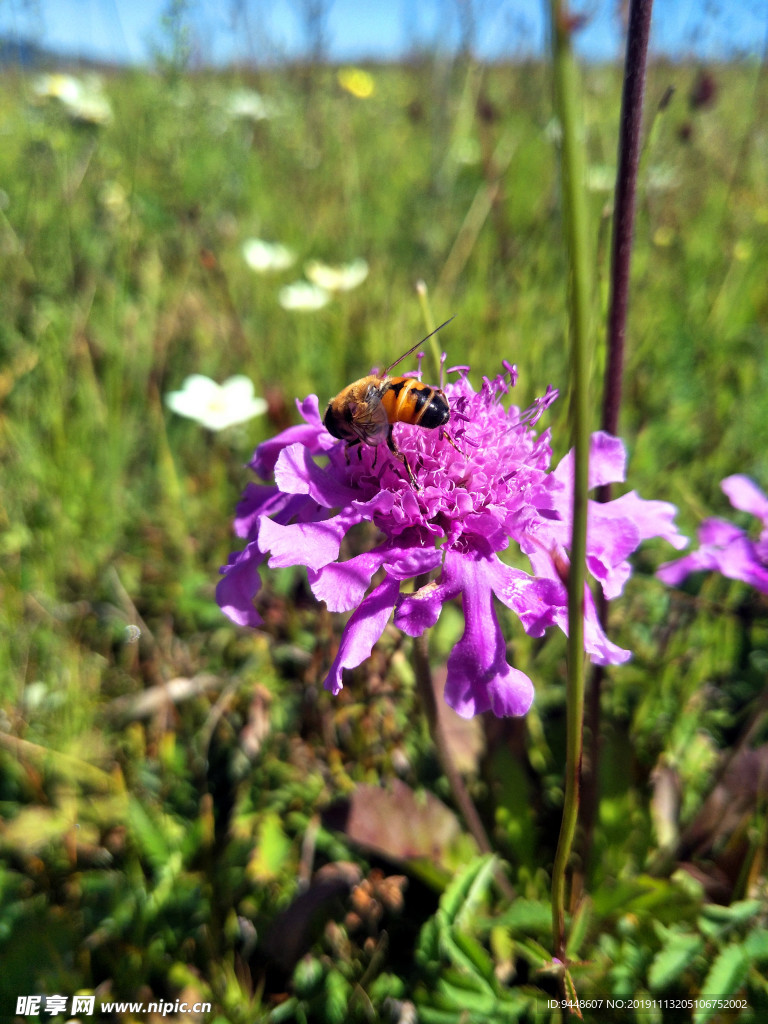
(296, 472)
(651, 518)
(239, 585)
(533, 600)
(479, 678)
(311, 434)
(363, 629)
(342, 585)
(310, 544)
(745, 495)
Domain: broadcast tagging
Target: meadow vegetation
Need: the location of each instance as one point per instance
(170, 785)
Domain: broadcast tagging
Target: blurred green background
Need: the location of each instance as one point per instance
(170, 784)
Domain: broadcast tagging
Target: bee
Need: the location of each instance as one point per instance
(366, 411)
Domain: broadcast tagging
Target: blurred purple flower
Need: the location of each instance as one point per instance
(498, 486)
(726, 549)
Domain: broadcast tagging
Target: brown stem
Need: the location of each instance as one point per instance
(630, 124)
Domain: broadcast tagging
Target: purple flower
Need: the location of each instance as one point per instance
(726, 549)
(495, 486)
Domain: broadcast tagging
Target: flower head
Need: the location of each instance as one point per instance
(216, 406)
(726, 549)
(303, 297)
(493, 485)
(248, 105)
(83, 99)
(356, 81)
(337, 278)
(264, 257)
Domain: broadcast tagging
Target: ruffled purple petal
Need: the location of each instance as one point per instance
(607, 462)
(651, 518)
(296, 472)
(310, 544)
(533, 600)
(261, 500)
(725, 549)
(479, 678)
(600, 649)
(745, 495)
(342, 585)
(239, 584)
(718, 533)
(420, 611)
(361, 632)
(311, 433)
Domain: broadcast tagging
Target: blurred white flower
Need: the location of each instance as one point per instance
(337, 279)
(216, 406)
(661, 178)
(83, 99)
(303, 296)
(264, 256)
(248, 104)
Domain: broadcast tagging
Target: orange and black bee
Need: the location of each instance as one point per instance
(365, 411)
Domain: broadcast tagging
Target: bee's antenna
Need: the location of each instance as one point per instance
(417, 345)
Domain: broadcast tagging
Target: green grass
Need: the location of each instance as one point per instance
(141, 850)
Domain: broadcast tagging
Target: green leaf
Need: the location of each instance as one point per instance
(670, 962)
(756, 944)
(579, 928)
(527, 916)
(736, 913)
(467, 890)
(428, 946)
(148, 834)
(337, 995)
(726, 976)
(532, 951)
(467, 953)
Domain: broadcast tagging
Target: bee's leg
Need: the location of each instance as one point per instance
(399, 455)
(349, 445)
(451, 442)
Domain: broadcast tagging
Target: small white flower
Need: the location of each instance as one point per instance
(264, 256)
(661, 178)
(303, 296)
(216, 406)
(62, 87)
(337, 279)
(248, 104)
(83, 99)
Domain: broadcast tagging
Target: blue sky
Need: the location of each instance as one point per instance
(130, 30)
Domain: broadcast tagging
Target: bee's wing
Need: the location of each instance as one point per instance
(370, 421)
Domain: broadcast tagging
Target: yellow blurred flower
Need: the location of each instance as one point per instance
(664, 236)
(356, 81)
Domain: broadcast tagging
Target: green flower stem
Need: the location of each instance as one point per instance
(567, 94)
